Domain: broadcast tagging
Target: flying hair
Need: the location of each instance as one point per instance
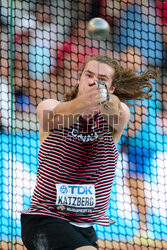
(130, 85)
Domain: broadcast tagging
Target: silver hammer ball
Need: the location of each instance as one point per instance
(98, 28)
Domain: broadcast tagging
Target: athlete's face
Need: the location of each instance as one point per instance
(96, 71)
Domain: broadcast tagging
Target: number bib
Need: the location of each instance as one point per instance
(73, 198)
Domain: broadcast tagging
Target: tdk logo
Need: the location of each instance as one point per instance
(75, 189)
(80, 189)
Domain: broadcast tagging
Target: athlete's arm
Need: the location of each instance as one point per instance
(122, 122)
(53, 114)
(117, 114)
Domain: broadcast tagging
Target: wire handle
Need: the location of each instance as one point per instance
(106, 88)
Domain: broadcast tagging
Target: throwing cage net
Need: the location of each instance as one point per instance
(42, 45)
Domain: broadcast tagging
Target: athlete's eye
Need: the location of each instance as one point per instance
(89, 75)
(102, 79)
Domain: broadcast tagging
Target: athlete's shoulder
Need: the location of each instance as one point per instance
(45, 107)
(48, 104)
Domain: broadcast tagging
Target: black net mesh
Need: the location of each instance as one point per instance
(50, 42)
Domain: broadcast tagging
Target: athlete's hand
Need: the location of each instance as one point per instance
(90, 99)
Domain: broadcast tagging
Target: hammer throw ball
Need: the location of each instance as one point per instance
(98, 28)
